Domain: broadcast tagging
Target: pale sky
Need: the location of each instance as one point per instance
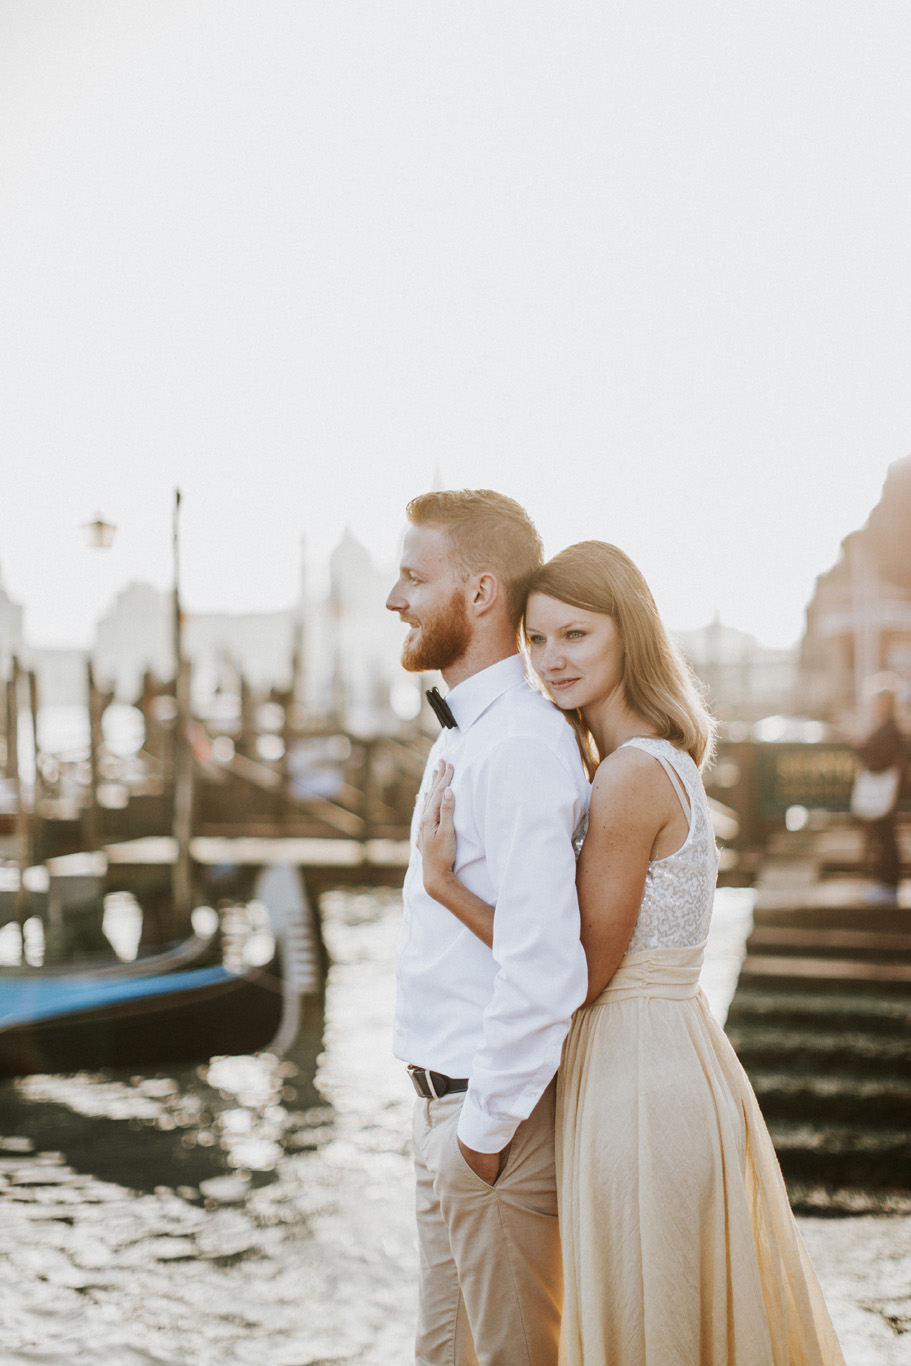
(643, 266)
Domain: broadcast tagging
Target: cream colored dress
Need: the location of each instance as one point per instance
(679, 1246)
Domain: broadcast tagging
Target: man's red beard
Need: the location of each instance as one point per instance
(443, 638)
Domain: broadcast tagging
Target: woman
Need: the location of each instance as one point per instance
(679, 1246)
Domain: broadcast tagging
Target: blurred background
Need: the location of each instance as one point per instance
(266, 273)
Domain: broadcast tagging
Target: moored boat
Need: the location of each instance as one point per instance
(168, 1009)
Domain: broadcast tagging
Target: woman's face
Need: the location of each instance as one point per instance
(578, 655)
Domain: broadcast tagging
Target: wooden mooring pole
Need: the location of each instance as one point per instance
(96, 709)
(183, 807)
(23, 842)
(182, 884)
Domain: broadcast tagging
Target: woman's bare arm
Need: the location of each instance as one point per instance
(632, 808)
(437, 843)
(632, 804)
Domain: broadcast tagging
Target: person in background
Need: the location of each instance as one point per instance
(883, 751)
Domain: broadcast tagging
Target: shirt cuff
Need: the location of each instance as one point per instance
(483, 1133)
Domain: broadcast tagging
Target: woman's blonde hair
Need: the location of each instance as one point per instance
(658, 683)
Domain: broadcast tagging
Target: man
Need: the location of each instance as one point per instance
(482, 1029)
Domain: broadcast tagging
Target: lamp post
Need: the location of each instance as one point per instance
(99, 535)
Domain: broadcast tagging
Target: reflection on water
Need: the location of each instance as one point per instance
(236, 1115)
(252, 1209)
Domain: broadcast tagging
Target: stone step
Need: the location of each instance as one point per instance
(862, 945)
(757, 1002)
(827, 1199)
(838, 916)
(843, 1155)
(844, 848)
(815, 974)
(821, 1049)
(838, 1097)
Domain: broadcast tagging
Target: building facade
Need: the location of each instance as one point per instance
(744, 680)
(858, 621)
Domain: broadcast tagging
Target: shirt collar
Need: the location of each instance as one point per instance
(474, 695)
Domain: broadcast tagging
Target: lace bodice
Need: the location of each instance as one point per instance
(677, 902)
(679, 890)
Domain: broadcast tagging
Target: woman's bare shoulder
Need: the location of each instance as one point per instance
(626, 764)
(628, 775)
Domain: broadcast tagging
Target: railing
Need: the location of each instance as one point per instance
(763, 781)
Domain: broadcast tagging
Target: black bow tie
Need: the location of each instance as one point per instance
(441, 709)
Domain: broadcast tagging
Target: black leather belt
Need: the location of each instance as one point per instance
(433, 1085)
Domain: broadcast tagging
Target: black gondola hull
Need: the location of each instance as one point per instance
(237, 1014)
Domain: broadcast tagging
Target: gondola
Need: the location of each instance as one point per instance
(167, 1010)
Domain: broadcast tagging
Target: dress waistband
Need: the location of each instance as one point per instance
(667, 974)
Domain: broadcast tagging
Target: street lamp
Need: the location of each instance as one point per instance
(99, 534)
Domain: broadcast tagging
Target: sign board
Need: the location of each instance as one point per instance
(815, 776)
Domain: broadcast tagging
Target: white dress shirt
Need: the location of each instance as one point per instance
(498, 1017)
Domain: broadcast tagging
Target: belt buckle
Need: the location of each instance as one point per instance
(422, 1079)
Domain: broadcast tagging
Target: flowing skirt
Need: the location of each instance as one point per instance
(679, 1245)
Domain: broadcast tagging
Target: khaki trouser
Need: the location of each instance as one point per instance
(491, 1278)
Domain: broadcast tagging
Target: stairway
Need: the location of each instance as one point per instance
(821, 1020)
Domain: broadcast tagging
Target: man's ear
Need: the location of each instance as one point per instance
(486, 593)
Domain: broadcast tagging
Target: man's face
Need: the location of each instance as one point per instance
(430, 597)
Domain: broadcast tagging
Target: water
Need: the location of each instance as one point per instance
(221, 1215)
(242, 1214)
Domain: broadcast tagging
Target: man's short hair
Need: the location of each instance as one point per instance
(488, 531)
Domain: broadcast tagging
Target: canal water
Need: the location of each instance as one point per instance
(251, 1211)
